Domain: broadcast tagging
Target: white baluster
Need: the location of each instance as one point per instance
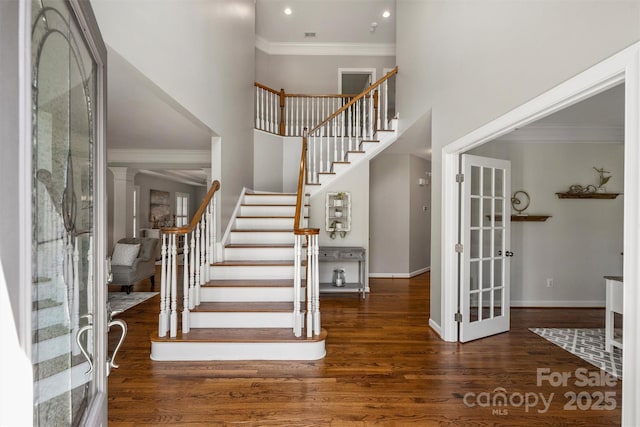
(192, 272)
(206, 221)
(350, 127)
(162, 321)
(386, 104)
(203, 250)
(310, 299)
(215, 229)
(371, 117)
(287, 118)
(297, 323)
(186, 304)
(316, 284)
(197, 266)
(174, 286)
(257, 107)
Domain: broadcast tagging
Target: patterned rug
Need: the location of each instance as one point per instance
(121, 301)
(587, 344)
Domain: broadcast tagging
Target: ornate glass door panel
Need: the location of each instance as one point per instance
(486, 222)
(64, 91)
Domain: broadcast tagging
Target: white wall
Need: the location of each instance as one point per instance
(389, 215)
(400, 229)
(472, 61)
(312, 74)
(583, 239)
(356, 182)
(185, 48)
(419, 219)
(276, 162)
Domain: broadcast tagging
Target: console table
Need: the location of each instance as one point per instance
(614, 304)
(343, 254)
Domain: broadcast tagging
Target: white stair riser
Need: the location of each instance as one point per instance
(52, 348)
(366, 146)
(251, 272)
(191, 351)
(274, 210)
(340, 167)
(257, 199)
(241, 319)
(258, 254)
(262, 237)
(44, 291)
(264, 223)
(249, 294)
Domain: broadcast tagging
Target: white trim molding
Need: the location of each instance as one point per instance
(399, 275)
(436, 327)
(146, 156)
(554, 133)
(325, 49)
(557, 304)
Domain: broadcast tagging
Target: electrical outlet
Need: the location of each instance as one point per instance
(549, 283)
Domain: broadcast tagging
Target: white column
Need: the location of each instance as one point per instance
(122, 202)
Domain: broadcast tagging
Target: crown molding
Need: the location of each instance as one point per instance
(154, 156)
(558, 133)
(325, 49)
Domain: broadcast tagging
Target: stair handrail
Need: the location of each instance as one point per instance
(198, 245)
(355, 99)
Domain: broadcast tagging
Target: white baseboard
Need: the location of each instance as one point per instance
(557, 304)
(435, 327)
(399, 275)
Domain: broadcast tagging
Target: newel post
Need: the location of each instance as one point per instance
(282, 104)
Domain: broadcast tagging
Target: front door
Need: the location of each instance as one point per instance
(484, 234)
(68, 307)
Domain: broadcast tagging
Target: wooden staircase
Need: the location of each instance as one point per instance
(246, 306)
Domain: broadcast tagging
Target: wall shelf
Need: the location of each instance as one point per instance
(524, 218)
(587, 195)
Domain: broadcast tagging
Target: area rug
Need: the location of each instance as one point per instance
(121, 301)
(587, 344)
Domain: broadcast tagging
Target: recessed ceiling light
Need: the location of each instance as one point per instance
(386, 14)
(288, 11)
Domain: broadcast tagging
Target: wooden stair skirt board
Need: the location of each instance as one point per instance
(238, 344)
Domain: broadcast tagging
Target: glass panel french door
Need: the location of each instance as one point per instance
(64, 88)
(485, 226)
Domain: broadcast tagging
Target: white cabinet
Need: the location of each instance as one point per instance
(338, 214)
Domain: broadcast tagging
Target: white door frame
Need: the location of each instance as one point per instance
(621, 67)
(342, 71)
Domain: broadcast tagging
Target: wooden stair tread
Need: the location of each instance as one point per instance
(263, 217)
(259, 245)
(243, 307)
(253, 193)
(240, 335)
(267, 205)
(282, 263)
(356, 151)
(369, 140)
(262, 230)
(271, 283)
(326, 173)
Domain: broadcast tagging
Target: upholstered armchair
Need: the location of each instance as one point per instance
(132, 260)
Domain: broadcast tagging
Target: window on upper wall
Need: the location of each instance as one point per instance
(182, 209)
(136, 192)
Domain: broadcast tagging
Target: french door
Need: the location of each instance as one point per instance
(485, 237)
(68, 308)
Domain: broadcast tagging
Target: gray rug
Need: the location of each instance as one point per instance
(121, 301)
(587, 344)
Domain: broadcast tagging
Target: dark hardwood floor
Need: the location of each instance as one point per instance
(384, 365)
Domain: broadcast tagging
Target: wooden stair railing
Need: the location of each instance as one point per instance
(198, 245)
(312, 272)
(345, 129)
(287, 114)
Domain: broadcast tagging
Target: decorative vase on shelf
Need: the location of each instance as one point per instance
(338, 213)
(337, 203)
(339, 279)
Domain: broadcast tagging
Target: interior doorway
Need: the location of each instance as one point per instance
(352, 81)
(620, 68)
